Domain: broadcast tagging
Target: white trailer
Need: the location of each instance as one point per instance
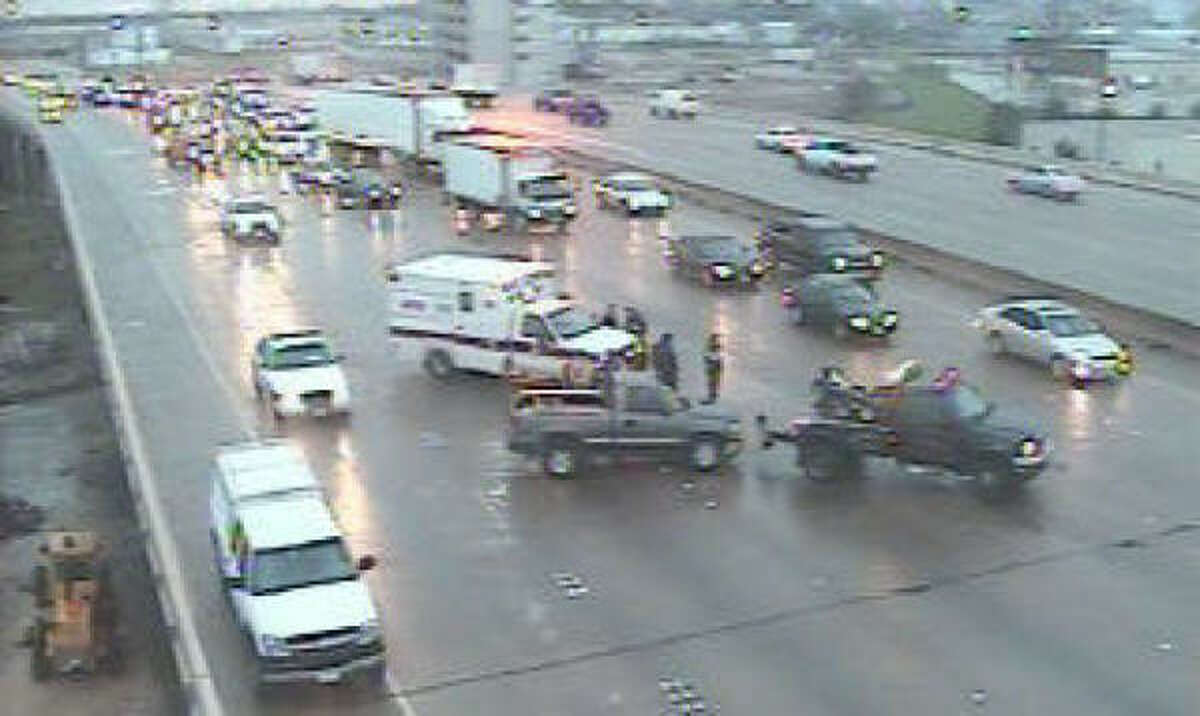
(478, 84)
(498, 173)
(495, 315)
(410, 124)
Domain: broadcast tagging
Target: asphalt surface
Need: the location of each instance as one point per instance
(906, 593)
(1133, 247)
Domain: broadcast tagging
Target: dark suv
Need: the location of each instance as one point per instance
(814, 243)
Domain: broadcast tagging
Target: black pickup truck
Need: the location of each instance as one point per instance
(945, 424)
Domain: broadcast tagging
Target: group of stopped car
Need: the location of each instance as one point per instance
(578, 395)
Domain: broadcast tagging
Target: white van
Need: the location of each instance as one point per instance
(674, 103)
(495, 315)
(291, 581)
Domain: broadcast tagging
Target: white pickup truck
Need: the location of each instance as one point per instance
(837, 158)
(288, 573)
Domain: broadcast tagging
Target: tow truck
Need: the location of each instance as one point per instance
(945, 424)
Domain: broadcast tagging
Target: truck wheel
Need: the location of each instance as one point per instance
(705, 453)
(995, 343)
(561, 458)
(438, 364)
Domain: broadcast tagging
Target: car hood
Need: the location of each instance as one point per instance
(1008, 426)
(301, 380)
(599, 341)
(1067, 182)
(247, 220)
(871, 309)
(857, 160)
(647, 197)
(307, 610)
(1094, 344)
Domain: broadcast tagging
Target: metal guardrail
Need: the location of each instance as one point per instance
(161, 551)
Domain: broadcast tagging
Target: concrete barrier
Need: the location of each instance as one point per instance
(27, 166)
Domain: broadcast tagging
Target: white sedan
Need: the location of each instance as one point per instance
(295, 373)
(775, 139)
(1047, 180)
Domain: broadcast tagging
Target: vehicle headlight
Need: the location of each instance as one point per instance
(271, 645)
(839, 263)
(860, 322)
(534, 213)
(568, 208)
(757, 267)
(877, 260)
(722, 270)
(369, 632)
(1079, 369)
(1029, 447)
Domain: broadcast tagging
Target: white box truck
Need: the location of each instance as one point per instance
(509, 176)
(293, 586)
(410, 123)
(478, 84)
(496, 315)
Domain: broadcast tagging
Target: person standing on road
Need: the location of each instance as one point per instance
(666, 364)
(714, 366)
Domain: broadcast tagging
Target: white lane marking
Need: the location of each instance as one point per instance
(194, 669)
(406, 707)
(245, 418)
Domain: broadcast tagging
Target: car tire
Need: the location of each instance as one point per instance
(439, 365)
(995, 343)
(561, 458)
(704, 454)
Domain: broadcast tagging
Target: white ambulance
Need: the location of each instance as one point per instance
(499, 315)
(282, 559)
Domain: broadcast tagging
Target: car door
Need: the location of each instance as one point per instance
(921, 422)
(821, 304)
(1019, 337)
(646, 423)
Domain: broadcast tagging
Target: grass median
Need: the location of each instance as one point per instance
(936, 106)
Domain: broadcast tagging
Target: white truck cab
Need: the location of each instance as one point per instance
(495, 315)
(293, 586)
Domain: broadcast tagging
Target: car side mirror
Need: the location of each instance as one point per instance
(365, 563)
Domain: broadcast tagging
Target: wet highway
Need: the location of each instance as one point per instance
(905, 593)
(1133, 247)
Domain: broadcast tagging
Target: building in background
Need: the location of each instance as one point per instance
(527, 39)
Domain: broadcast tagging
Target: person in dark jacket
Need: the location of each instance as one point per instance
(714, 367)
(611, 318)
(666, 364)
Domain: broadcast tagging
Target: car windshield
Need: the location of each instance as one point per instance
(277, 570)
(549, 188)
(305, 355)
(839, 240)
(966, 402)
(250, 207)
(634, 184)
(570, 322)
(1067, 326)
(718, 248)
(852, 294)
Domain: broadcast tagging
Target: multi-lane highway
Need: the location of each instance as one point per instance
(1132, 247)
(906, 593)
